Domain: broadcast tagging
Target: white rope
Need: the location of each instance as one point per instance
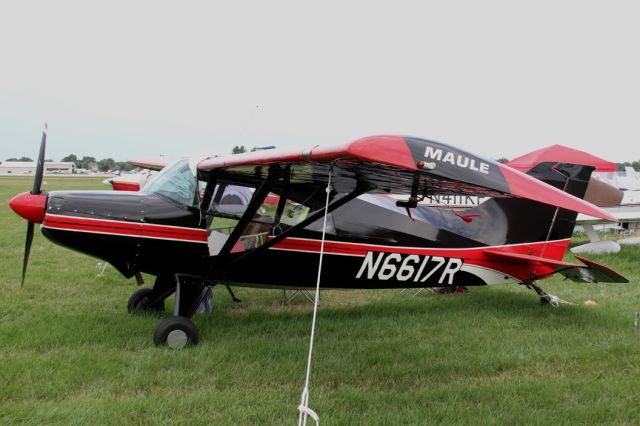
(304, 398)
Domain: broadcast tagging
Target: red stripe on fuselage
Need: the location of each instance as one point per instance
(549, 249)
(132, 229)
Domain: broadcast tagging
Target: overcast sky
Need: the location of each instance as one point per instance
(498, 78)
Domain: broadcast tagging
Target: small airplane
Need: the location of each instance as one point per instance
(355, 206)
(147, 169)
(130, 181)
(626, 209)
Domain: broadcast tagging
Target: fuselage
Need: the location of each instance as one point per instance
(368, 244)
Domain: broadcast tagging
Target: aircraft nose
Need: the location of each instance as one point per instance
(29, 206)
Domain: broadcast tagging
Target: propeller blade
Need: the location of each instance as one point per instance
(37, 180)
(27, 250)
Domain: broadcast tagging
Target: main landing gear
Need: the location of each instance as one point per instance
(152, 300)
(143, 300)
(178, 330)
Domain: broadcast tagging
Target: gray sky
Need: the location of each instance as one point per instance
(498, 78)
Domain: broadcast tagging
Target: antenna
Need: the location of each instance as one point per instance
(244, 128)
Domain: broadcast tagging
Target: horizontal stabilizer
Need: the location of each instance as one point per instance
(532, 260)
(588, 272)
(593, 272)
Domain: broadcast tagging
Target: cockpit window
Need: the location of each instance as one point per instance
(228, 206)
(176, 182)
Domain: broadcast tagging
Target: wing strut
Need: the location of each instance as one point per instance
(564, 189)
(359, 190)
(304, 409)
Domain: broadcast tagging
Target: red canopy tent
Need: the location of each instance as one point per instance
(560, 154)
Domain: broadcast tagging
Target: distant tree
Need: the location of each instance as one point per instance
(86, 162)
(19, 159)
(70, 158)
(106, 164)
(502, 160)
(620, 166)
(124, 165)
(48, 160)
(238, 149)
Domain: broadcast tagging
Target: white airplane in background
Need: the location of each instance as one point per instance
(627, 212)
(627, 180)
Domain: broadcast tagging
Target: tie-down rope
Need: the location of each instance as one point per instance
(304, 409)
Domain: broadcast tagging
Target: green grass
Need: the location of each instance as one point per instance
(70, 353)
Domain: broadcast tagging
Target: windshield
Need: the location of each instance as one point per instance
(176, 182)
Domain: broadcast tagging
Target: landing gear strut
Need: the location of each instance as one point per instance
(546, 298)
(178, 330)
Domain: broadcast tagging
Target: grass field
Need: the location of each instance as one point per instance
(71, 354)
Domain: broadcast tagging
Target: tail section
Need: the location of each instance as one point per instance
(555, 222)
(518, 221)
(500, 221)
(506, 221)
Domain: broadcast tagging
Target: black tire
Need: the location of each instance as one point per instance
(176, 332)
(140, 301)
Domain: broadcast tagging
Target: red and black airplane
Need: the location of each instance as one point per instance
(185, 228)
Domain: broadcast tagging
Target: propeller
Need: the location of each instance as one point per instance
(27, 250)
(37, 183)
(37, 180)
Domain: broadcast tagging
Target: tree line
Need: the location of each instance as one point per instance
(87, 162)
(106, 164)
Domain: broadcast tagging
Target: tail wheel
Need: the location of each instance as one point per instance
(141, 301)
(176, 332)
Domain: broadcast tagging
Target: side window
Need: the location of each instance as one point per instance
(229, 204)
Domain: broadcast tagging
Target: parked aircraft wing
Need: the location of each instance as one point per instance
(151, 164)
(561, 154)
(388, 164)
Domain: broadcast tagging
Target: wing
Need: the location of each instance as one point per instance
(396, 164)
(151, 164)
(630, 214)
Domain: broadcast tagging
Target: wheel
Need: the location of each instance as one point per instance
(176, 332)
(140, 301)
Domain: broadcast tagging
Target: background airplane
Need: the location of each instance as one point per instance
(626, 211)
